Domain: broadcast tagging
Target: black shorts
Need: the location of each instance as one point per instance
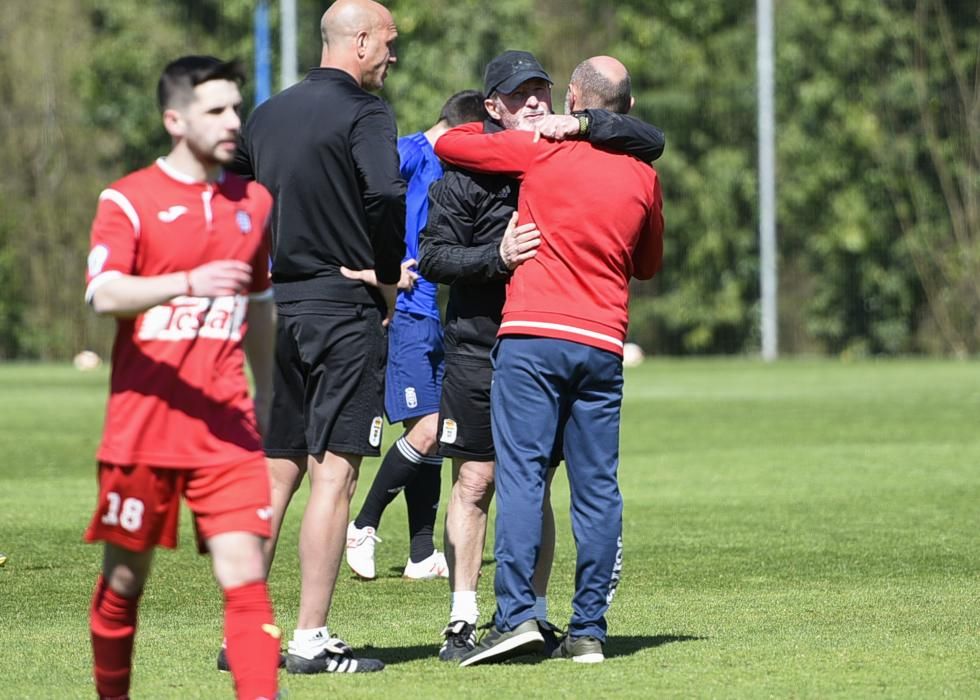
(328, 383)
(464, 410)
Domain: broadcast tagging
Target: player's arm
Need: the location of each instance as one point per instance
(623, 133)
(648, 254)
(115, 286)
(375, 152)
(260, 347)
(126, 296)
(445, 253)
(609, 130)
(504, 152)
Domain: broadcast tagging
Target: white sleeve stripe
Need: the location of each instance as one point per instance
(265, 295)
(98, 281)
(123, 203)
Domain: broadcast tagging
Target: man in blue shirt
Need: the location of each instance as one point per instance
(413, 381)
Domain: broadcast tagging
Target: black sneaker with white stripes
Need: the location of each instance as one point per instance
(460, 640)
(335, 657)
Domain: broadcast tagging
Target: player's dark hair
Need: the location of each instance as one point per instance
(180, 77)
(599, 92)
(464, 107)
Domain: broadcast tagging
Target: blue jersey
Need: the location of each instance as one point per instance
(420, 168)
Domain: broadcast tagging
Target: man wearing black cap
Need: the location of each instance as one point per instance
(461, 246)
(558, 358)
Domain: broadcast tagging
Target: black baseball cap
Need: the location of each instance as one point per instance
(508, 70)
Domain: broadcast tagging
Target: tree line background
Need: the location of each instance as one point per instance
(878, 151)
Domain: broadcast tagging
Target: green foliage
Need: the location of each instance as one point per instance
(443, 46)
(132, 41)
(878, 161)
(13, 305)
(700, 90)
(790, 531)
(835, 215)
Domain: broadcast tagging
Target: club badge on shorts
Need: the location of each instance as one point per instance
(411, 400)
(375, 436)
(448, 431)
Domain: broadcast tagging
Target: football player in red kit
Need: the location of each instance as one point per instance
(179, 256)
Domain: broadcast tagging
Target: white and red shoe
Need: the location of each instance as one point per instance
(433, 566)
(360, 550)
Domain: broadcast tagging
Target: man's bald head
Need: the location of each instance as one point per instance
(359, 38)
(601, 82)
(346, 18)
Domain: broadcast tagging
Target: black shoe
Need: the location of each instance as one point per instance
(336, 657)
(223, 660)
(584, 650)
(552, 637)
(499, 646)
(460, 640)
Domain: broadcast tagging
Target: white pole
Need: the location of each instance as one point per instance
(767, 180)
(287, 50)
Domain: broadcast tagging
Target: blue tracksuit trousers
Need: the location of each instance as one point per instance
(546, 389)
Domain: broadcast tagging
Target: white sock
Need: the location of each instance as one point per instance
(464, 607)
(541, 608)
(309, 642)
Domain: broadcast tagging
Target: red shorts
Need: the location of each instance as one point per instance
(139, 505)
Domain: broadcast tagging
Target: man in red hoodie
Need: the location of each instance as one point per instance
(558, 362)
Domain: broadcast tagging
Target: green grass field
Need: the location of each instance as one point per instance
(807, 529)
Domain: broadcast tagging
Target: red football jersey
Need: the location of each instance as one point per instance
(178, 392)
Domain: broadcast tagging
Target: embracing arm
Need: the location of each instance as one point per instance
(445, 255)
(505, 152)
(621, 132)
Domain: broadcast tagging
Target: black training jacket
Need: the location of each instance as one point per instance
(468, 214)
(327, 151)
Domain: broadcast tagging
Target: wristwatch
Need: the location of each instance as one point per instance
(583, 122)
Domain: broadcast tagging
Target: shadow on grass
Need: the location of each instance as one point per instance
(614, 647)
(627, 646)
(400, 655)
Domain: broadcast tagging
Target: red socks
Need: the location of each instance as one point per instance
(253, 641)
(113, 623)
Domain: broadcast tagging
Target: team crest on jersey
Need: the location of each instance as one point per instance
(411, 400)
(448, 431)
(375, 436)
(244, 221)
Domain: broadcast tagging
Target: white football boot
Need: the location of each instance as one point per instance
(360, 550)
(433, 566)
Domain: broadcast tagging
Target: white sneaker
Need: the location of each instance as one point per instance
(360, 550)
(433, 566)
